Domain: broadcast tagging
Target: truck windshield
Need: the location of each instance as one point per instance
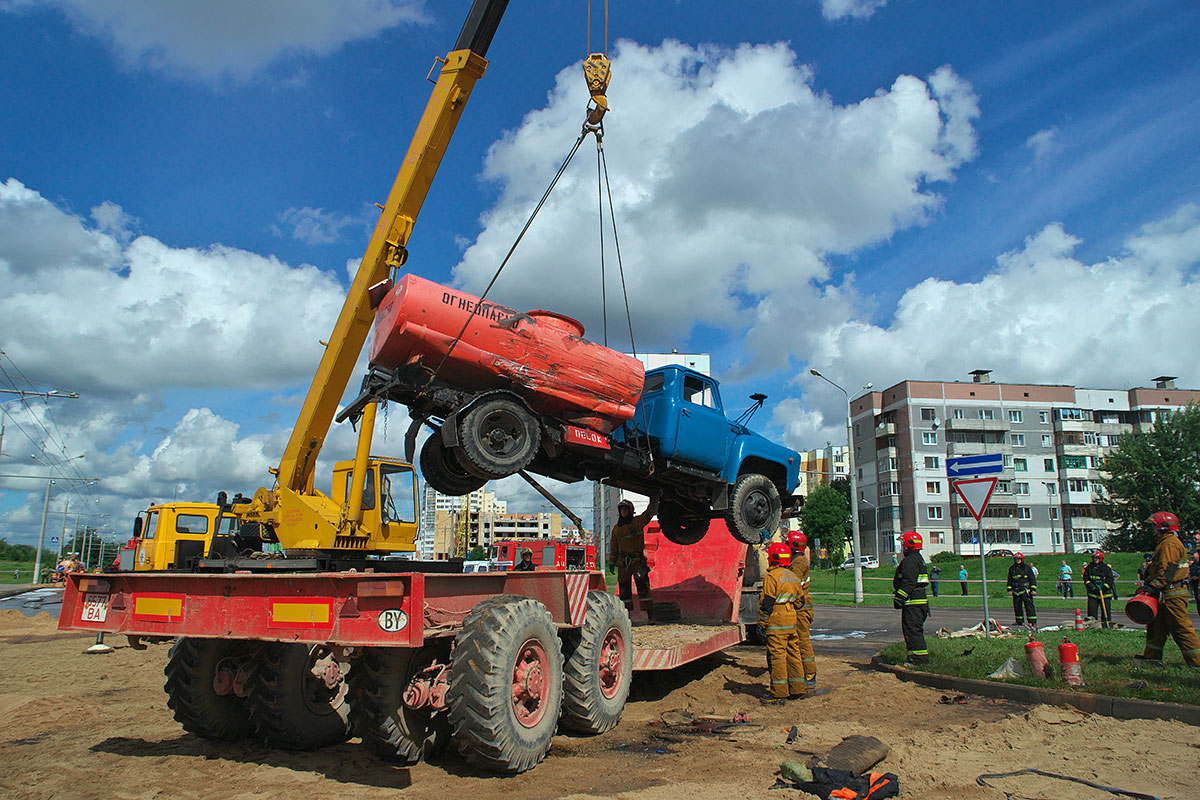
(148, 530)
(399, 493)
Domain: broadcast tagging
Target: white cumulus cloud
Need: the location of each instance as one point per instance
(858, 9)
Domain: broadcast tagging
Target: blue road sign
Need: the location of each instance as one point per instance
(989, 464)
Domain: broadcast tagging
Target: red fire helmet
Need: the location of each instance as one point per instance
(1018, 556)
(779, 554)
(797, 540)
(1098, 555)
(1164, 522)
(911, 540)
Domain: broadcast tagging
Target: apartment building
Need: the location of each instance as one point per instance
(822, 465)
(1053, 439)
(442, 515)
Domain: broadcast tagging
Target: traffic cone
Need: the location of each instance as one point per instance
(1078, 620)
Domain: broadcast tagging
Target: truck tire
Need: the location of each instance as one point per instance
(291, 705)
(506, 684)
(443, 471)
(203, 705)
(598, 666)
(679, 525)
(754, 506)
(386, 725)
(499, 438)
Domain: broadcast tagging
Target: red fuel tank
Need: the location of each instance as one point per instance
(540, 355)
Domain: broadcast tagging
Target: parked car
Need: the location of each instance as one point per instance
(868, 562)
(1088, 550)
(999, 554)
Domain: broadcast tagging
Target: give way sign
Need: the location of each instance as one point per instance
(975, 492)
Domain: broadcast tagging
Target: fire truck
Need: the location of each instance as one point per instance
(546, 554)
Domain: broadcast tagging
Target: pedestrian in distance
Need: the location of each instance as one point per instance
(1194, 576)
(627, 552)
(1098, 582)
(800, 567)
(1022, 586)
(909, 596)
(962, 578)
(935, 573)
(1141, 572)
(1166, 581)
(1064, 580)
(777, 623)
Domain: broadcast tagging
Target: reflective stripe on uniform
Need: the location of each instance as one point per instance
(919, 602)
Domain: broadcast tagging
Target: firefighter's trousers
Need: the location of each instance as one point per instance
(912, 623)
(1023, 607)
(784, 663)
(1100, 607)
(630, 570)
(1173, 619)
(804, 618)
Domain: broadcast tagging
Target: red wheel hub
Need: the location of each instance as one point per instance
(612, 659)
(531, 688)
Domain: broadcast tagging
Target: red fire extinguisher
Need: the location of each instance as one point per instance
(1068, 664)
(1035, 657)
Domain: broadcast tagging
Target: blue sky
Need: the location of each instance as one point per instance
(880, 190)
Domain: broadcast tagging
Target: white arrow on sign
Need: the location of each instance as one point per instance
(975, 493)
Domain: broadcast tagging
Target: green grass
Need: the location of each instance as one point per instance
(1106, 658)
(25, 567)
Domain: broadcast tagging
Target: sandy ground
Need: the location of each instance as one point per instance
(97, 726)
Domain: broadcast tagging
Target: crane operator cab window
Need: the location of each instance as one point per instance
(398, 490)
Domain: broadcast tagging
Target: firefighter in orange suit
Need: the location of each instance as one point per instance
(777, 621)
(798, 542)
(627, 550)
(909, 585)
(1166, 580)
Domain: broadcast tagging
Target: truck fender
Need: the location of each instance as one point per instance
(450, 425)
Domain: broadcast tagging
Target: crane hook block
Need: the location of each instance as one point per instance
(597, 71)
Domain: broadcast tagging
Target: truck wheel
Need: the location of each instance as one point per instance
(598, 667)
(297, 696)
(202, 675)
(506, 684)
(389, 726)
(499, 438)
(754, 506)
(443, 471)
(680, 526)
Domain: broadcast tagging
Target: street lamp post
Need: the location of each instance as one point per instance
(854, 532)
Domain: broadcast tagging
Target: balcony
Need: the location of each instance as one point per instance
(885, 429)
(964, 425)
(1067, 425)
(954, 448)
(1077, 449)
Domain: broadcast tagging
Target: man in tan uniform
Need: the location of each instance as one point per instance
(1166, 580)
(798, 542)
(627, 551)
(777, 620)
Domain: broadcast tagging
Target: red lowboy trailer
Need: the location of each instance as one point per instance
(493, 660)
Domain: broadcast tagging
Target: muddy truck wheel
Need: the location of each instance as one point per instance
(391, 689)
(499, 438)
(443, 471)
(297, 696)
(754, 506)
(680, 525)
(598, 666)
(204, 678)
(506, 684)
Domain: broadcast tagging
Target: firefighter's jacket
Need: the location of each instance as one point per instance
(799, 568)
(779, 600)
(1021, 578)
(910, 581)
(1168, 570)
(1098, 579)
(629, 539)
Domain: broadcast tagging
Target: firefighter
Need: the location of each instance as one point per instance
(1099, 581)
(798, 543)
(909, 584)
(1022, 585)
(781, 593)
(526, 562)
(627, 551)
(1166, 581)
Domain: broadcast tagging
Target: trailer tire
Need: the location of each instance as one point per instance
(386, 725)
(290, 706)
(443, 471)
(680, 526)
(754, 506)
(191, 668)
(506, 684)
(598, 666)
(499, 438)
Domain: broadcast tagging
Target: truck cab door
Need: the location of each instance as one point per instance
(704, 432)
(143, 557)
(397, 503)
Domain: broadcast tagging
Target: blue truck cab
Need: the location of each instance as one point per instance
(709, 465)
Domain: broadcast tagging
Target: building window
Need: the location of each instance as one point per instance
(931, 462)
(860, 473)
(1046, 440)
(927, 415)
(987, 413)
(1008, 461)
(934, 512)
(937, 537)
(1020, 487)
(933, 487)
(959, 414)
(891, 441)
(893, 463)
(929, 437)
(1048, 463)
(1020, 465)
(1024, 513)
(1014, 416)
(1053, 513)
(1089, 438)
(960, 438)
(1077, 485)
(1004, 487)
(1074, 462)
(1043, 417)
(1018, 440)
(1026, 537)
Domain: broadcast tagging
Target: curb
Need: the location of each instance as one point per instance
(1116, 707)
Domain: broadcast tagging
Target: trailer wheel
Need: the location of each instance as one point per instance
(202, 675)
(679, 525)
(443, 471)
(297, 696)
(385, 722)
(754, 506)
(506, 684)
(598, 667)
(499, 438)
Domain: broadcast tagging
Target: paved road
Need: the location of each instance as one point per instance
(35, 601)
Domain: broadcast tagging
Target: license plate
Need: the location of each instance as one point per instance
(95, 607)
(585, 437)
